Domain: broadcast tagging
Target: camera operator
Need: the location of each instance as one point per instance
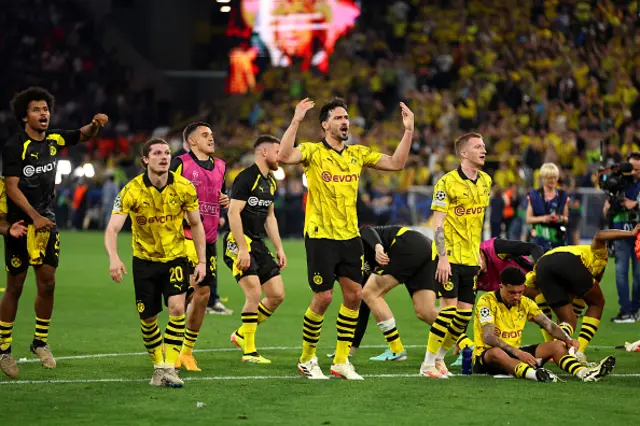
(625, 215)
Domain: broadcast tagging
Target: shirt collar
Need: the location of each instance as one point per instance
(498, 297)
(326, 145)
(465, 177)
(147, 181)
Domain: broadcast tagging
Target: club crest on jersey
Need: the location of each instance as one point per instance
(16, 262)
(448, 286)
(52, 151)
(173, 201)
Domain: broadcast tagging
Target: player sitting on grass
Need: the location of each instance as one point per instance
(500, 317)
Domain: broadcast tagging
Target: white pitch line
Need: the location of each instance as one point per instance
(267, 348)
(226, 378)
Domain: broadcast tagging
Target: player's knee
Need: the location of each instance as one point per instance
(495, 355)
(276, 298)
(15, 284)
(46, 286)
(201, 296)
(323, 299)
(427, 315)
(369, 295)
(353, 296)
(175, 306)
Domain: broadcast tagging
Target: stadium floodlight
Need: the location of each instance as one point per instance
(64, 167)
(78, 172)
(225, 9)
(223, 1)
(304, 181)
(58, 177)
(279, 174)
(89, 171)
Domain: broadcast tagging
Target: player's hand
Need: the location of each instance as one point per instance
(381, 256)
(18, 229)
(282, 259)
(116, 269)
(573, 344)
(42, 223)
(199, 272)
(100, 120)
(244, 260)
(443, 272)
(301, 109)
(527, 358)
(224, 200)
(407, 117)
(636, 230)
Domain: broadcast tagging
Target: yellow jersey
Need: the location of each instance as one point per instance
(3, 198)
(157, 215)
(464, 201)
(332, 180)
(508, 322)
(594, 260)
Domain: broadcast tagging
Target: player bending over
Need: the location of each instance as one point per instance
(500, 317)
(575, 271)
(157, 202)
(251, 218)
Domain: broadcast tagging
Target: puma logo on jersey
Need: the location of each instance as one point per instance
(35, 156)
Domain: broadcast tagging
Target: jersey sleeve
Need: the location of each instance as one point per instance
(190, 197)
(530, 280)
(176, 165)
(307, 150)
(65, 138)
(518, 248)
(440, 201)
(370, 237)
(12, 159)
(3, 198)
(533, 309)
(484, 313)
(124, 202)
(369, 157)
(241, 189)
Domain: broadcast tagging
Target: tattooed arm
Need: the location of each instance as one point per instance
(489, 337)
(554, 330)
(443, 271)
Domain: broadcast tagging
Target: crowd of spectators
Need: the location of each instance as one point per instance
(542, 81)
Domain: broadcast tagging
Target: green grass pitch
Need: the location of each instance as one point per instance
(103, 372)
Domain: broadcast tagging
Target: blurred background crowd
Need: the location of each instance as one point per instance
(542, 81)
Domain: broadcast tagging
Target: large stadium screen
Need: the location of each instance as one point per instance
(283, 33)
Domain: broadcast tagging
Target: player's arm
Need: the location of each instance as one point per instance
(199, 240)
(288, 153)
(90, 131)
(443, 271)
(518, 248)
(372, 238)
(16, 230)
(397, 161)
(235, 225)
(116, 267)
(602, 236)
(271, 226)
(554, 330)
(489, 337)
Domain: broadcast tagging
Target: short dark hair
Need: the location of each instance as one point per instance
(330, 106)
(512, 276)
(146, 148)
(265, 139)
(463, 140)
(188, 131)
(20, 102)
(633, 156)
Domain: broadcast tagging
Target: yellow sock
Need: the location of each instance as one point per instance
(524, 371)
(570, 364)
(567, 328)
(153, 342)
(173, 337)
(248, 331)
(390, 332)
(6, 328)
(544, 307)
(311, 327)
(464, 341)
(263, 313)
(42, 331)
(578, 306)
(346, 326)
(190, 337)
(587, 331)
(438, 330)
(457, 326)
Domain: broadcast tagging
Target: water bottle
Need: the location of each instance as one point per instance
(466, 361)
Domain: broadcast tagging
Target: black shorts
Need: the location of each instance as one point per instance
(17, 251)
(462, 284)
(560, 276)
(480, 367)
(263, 265)
(153, 280)
(329, 259)
(211, 268)
(411, 263)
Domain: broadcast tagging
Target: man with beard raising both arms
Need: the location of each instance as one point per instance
(157, 202)
(332, 238)
(251, 218)
(460, 198)
(30, 161)
(206, 173)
